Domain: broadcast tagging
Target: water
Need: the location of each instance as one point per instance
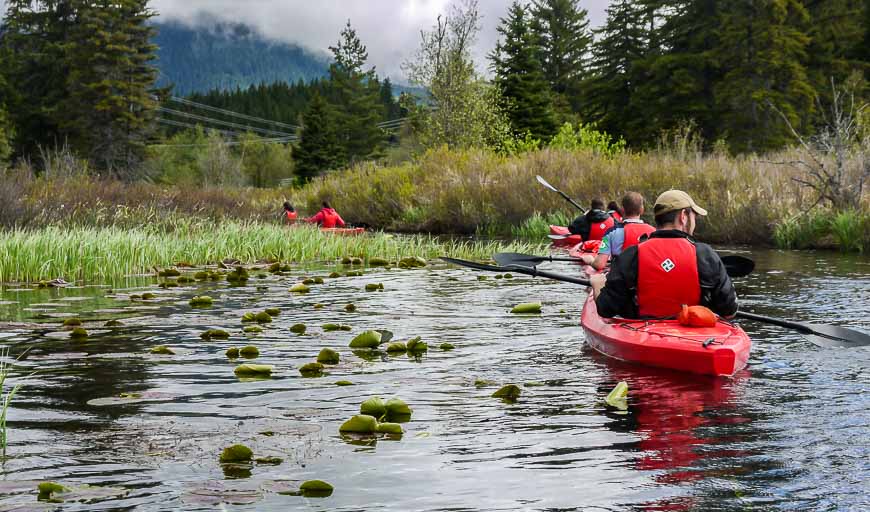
(788, 433)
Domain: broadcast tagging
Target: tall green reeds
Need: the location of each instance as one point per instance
(848, 230)
(6, 396)
(107, 253)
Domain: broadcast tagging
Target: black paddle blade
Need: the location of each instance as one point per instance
(823, 335)
(738, 266)
(475, 265)
(514, 258)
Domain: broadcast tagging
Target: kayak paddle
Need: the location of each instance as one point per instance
(822, 335)
(543, 182)
(736, 266)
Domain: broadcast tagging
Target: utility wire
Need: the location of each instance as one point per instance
(230, 113)
(222, 123)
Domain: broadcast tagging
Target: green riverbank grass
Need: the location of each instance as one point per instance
(85, 253)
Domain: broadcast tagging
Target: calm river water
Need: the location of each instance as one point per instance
(791, 432)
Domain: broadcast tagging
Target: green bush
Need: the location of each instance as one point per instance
(850, 230)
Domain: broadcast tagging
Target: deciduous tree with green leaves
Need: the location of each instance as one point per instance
(519, 73)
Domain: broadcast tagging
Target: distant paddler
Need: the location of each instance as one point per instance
(290, 215)
(327, 217)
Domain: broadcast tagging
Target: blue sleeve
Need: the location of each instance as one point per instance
(606, 243)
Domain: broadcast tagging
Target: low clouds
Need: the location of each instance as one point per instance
(389, 28)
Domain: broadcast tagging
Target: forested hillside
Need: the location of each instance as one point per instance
(227, 56)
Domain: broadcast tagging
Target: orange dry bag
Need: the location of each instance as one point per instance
(696, 316)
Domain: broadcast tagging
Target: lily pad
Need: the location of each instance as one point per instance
(113, 323)
(263, 318)
(373, 407)
(396, 347)
(253, 369)
(378, 262)
(344, 383)
(232, 352)
(617, 397)
(350, 308)
(162, 349)
(269, 461)
(360, 424)
(249, 317)
(299, 288)
(366, 339)
(236, 453)
(273, 311)
(416, 345)
(298, 328)
(132, 398)
(253, 329)
(390, 428)
(218, 334)
(249, 351)
(397, 408)
(72, 322)
(311, 369)
(78, 334)
(527, 308)
(330, 327)
(508, 392)
(446, 346)
(213, 494)
(316, 489)
(201, 301)
(328, 356)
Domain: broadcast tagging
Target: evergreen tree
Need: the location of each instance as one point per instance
(319, 148)
(763, 49)
(357, 98)
(34, 41)
(621, 45)
(110, 112)
(837, 30)
(562, 29)
(519, 74)
(678, 73)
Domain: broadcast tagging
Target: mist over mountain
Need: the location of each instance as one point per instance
(229, 55)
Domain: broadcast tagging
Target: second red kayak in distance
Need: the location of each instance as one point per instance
(344, 231)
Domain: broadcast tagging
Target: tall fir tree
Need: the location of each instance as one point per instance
(519, 74)
(763, 49)
(678, 73)
(34, 39)
(562, 29)
(622, 43)
(357, 98)
(111, 107)
(319, 148)
(836, 30)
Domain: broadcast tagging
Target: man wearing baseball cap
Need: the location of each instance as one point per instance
(669, 269)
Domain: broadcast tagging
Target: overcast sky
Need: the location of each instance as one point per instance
(389, 28)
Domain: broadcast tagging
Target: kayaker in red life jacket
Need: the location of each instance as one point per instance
(615, 211)
(327, 217)
(593, 224)
(669, 269)
(290, 214)
(623, 235)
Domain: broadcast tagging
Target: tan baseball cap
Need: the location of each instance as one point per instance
(673, 200)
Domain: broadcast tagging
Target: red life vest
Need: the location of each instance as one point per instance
(667, 276)
(290, 215)
(598, 229)
(633, 232)
(330, 218)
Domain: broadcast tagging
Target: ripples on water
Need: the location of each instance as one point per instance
(788, 433)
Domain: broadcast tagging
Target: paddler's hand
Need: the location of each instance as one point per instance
(597, 281)
(587, 259)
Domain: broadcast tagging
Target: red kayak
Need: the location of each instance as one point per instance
(570, 239)
(720, 350)
(344, 231)
(588, 247)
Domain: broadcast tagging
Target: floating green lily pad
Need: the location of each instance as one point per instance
(236, 453)
(113, 323)
(249, 317)
(373, 407)
(350, 308)
(299, 288)
(318, 306)
(218, 334)
(328, 356)
(508, 392)
(617, 397)
(162, 349)
(232, 352)
(273, 311)
(397, 408)
(253, 369)
(378, 262)
(201, 300)
(373, 287)
(360, 424)
(482, 278)
(315, 489)
(344, 383)
(298, 328)
(416, 345)
(330, 327)
(46, 489)
(390, 428)
(249, 351)
(263, 318)
(311, 369)
(318, 280)
(396, 346)
(72, 322)
(253, 329)
(367, 339)
(269, 461)
(446, 346)
(334, 275)
(527, 308)
(78, 334)
(508, 276)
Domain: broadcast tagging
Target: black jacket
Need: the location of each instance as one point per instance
(583, 224)
(619, 296)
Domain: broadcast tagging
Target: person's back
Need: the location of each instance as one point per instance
(667, 270)
(622, 235)
(327, 217)
(290, 214)
(615, 211)
(593, 224)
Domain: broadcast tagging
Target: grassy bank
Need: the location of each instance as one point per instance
(95, 253)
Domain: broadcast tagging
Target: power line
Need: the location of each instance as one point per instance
(280, 140)
(194, 126)
(223, 123)
(231, 113)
